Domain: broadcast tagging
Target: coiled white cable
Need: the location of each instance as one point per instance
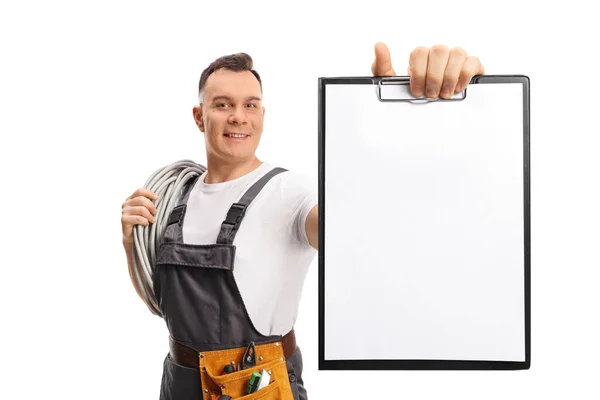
(167, 183)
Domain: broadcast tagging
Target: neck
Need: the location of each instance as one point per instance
(219, 171)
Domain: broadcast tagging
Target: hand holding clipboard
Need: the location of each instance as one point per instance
(435, 72)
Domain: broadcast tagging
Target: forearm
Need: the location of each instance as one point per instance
(312, 227)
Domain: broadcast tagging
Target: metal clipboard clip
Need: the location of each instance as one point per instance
(397, 88)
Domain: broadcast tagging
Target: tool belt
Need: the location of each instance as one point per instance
(229, 372)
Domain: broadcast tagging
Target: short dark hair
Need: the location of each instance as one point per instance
(234, 62)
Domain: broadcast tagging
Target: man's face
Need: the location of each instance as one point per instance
(231, 115)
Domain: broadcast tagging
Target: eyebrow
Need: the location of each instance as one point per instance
(230, 99)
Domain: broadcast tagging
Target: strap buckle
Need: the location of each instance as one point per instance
(176, 215)
(235, 214)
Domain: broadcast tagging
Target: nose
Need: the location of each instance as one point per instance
(237, 116)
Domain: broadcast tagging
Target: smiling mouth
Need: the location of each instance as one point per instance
(237, 135)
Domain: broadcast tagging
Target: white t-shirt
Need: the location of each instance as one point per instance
(272, 250)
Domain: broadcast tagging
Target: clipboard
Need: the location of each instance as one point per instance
(424, 226)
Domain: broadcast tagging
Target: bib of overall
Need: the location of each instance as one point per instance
(200, 301)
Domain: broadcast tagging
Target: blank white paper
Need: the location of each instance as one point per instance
(424, 226)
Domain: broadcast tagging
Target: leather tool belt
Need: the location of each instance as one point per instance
(228, 372)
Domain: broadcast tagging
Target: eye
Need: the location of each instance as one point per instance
(221, 105)
(252, 105)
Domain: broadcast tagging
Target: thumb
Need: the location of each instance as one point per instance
(382, 66)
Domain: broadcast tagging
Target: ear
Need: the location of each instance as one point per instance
(198, 117)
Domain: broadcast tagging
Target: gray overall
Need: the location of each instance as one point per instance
(200, 301)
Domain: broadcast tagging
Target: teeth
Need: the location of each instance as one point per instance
(236, 136)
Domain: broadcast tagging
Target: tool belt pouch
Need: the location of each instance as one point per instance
(270, 357)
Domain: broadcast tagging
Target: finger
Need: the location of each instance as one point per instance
(139, 210)
(470, 68)
(144, 192)
(382, 66)
(141, 200)
(438, 59)
(455, 63)
(418, 69)
(139, 220)
(129, 221)
(144, 201)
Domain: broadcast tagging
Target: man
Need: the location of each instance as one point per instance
(208, 304)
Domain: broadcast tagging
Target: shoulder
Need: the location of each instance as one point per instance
(294, 185)
(290, 189)
(293, 195)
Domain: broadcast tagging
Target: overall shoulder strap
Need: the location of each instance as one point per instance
(173, 229)
(236, 212)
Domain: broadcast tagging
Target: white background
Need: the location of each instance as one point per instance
(95, 95)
